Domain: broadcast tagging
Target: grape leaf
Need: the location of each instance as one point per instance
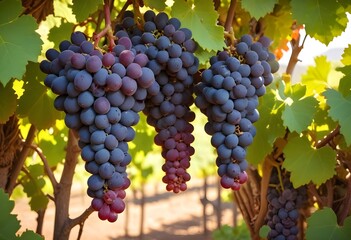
(36, 103)
(328, 18)
(83, 8)
(316, 77)
(345, 81)
(346, 56)
(33, 185)
(308, 164)
(8, 102)
(277, 25)
(9, 224)
(340, 110)
(144, 138)
(159, 5)
(58, 34)
(322, 224)
(260, 9)
(201, 19)
(264, 230)
(54, 151)
(30, 235)
(203, 55)
(299, 110)
(19, 43)
(269, 128)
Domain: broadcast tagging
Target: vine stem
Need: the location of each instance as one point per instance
(18, 163)
(230, 16)
(266, 173)
(63, 191)
(296, 49)
(107, 31)
(346, 204)
(328, 137)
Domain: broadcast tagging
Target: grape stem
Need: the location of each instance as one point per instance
(107, 31)
(124, 8)
(230, 16)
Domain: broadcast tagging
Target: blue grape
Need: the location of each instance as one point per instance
(83, 80)
(95, 182)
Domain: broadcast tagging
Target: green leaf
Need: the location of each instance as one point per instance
(30, 235)
(322, 225)
(258, 9)
(201, 19)
(36, 103)
(33, 185)
(323, 20)
(38, 202)
(159, 5)
(9, 224)
(144, 138)
(54, 152)
(204, 55)
(345, 81)
(299, 115)
(83, 8)
(58, 34)
(277, 25)
(346, 56)
(268, 128)
(264, 230)
(299, 111)
(340, 110)
(308, 164)
(19, 43)
(8, 102)
(316, 77)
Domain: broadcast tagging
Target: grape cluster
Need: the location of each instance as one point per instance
(228, 96)
(282, 216)
(101, 95)
(170, 51)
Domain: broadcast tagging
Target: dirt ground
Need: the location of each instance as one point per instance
(167, 215)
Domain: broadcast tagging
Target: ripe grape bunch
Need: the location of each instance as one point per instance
(101, 95)
(170, 51)
(228, 96)
(283, 204)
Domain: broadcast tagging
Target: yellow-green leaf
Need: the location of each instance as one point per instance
(201, 18)
(258, 9)
(308, 164)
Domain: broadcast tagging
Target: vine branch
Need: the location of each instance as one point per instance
(266, 173)
(230, 16)
(18, 163)
(296, 49)
(78, 220)
(328, 137)
(107, 31)
(47, 168)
